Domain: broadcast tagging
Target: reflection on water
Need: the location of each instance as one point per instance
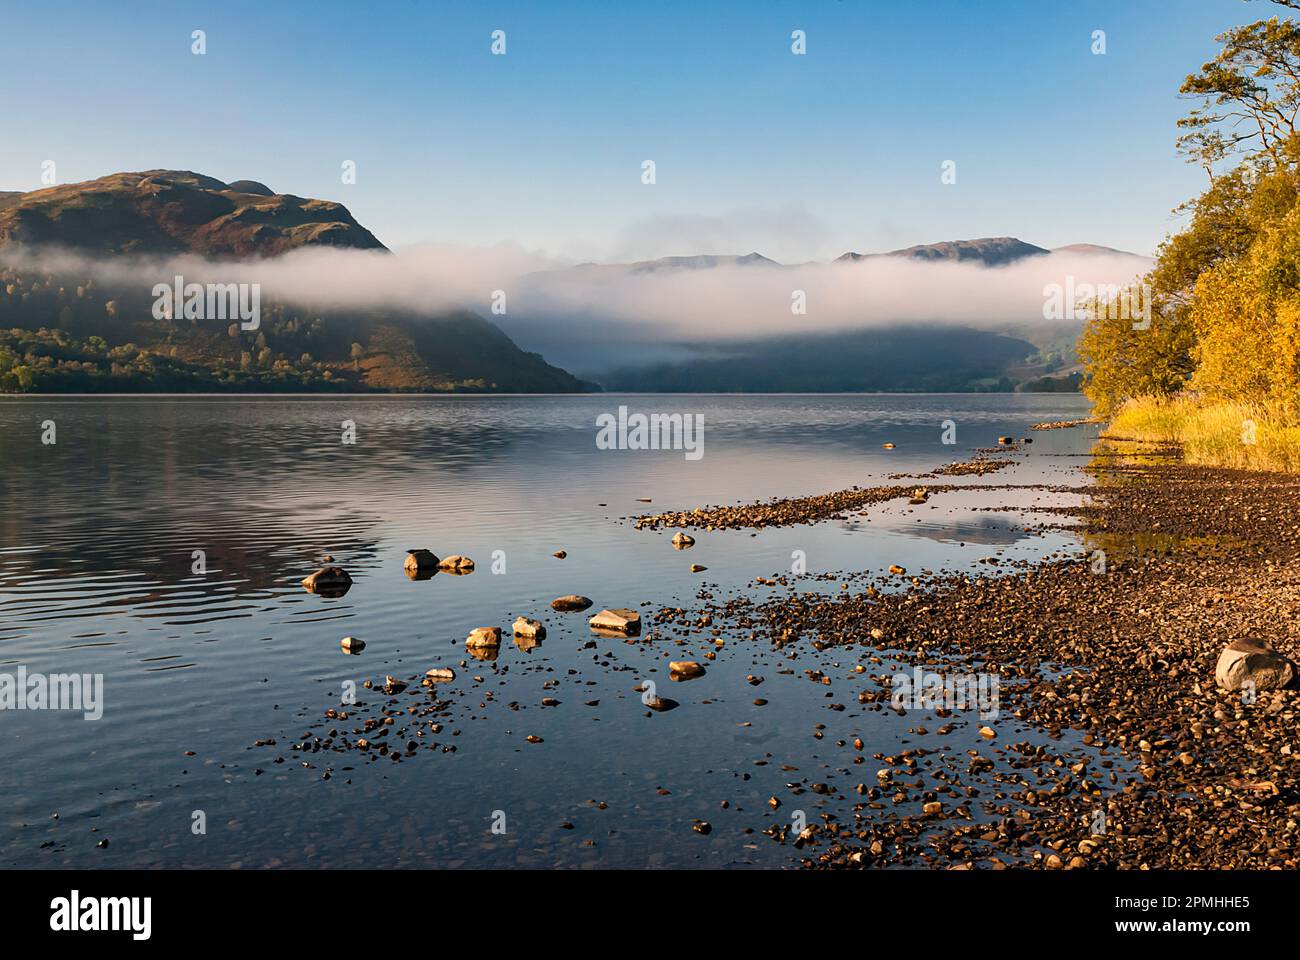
(1116, 462)
(973, 529)
(161, 542)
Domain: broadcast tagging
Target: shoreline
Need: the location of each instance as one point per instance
(1151, 766)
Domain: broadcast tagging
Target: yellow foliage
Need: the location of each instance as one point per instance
(1219, 434)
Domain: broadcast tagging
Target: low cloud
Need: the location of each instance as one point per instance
(587, 316)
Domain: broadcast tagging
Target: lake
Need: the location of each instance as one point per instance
(102, 531)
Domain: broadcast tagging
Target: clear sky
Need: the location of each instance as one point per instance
(799, 157)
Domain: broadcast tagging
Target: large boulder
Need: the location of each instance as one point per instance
(1251, 661)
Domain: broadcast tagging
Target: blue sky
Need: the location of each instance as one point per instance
(799, 157)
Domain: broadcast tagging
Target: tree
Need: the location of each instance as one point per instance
(1249, 94)
(1246, 315)
(1219, 288)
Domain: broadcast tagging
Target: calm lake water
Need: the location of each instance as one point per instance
(97, 539)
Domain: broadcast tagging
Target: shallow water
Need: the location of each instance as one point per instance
(97, 539)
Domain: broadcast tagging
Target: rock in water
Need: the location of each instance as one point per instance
(484, 637)
(441, 674)
(618, 621)
(570, 602)
(681, 541)
(328, 582)
(685, 669)
(1250, 661)
(528, 643)
(529, 628)
(456, 564)
(352, 645)
(420, 564)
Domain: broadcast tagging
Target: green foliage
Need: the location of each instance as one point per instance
(1248, 94)
(45, 360)
(57, 335)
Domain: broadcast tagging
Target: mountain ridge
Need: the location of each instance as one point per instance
(176, 211)
(990, 251)
(63, 331)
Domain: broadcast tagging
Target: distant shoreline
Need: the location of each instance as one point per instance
(392, 394)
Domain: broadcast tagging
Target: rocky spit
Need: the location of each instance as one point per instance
(779, 512)
(978, 467)
(1112, 745)
(838, 505)
(1063, 424)
(1113, 656)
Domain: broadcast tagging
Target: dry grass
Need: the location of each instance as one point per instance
(1213, 434)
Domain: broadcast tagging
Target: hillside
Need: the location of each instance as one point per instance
(175, 211)
(75, 330)
(900, 359)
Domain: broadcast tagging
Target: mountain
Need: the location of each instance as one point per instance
(89, 328)
(939, 358)
(96, 329)
(176, 211)
(663, 265)
(989, 251)
(1092, 248)
(701, 262)
(588, 315)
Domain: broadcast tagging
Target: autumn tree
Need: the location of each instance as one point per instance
(1210, 275)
